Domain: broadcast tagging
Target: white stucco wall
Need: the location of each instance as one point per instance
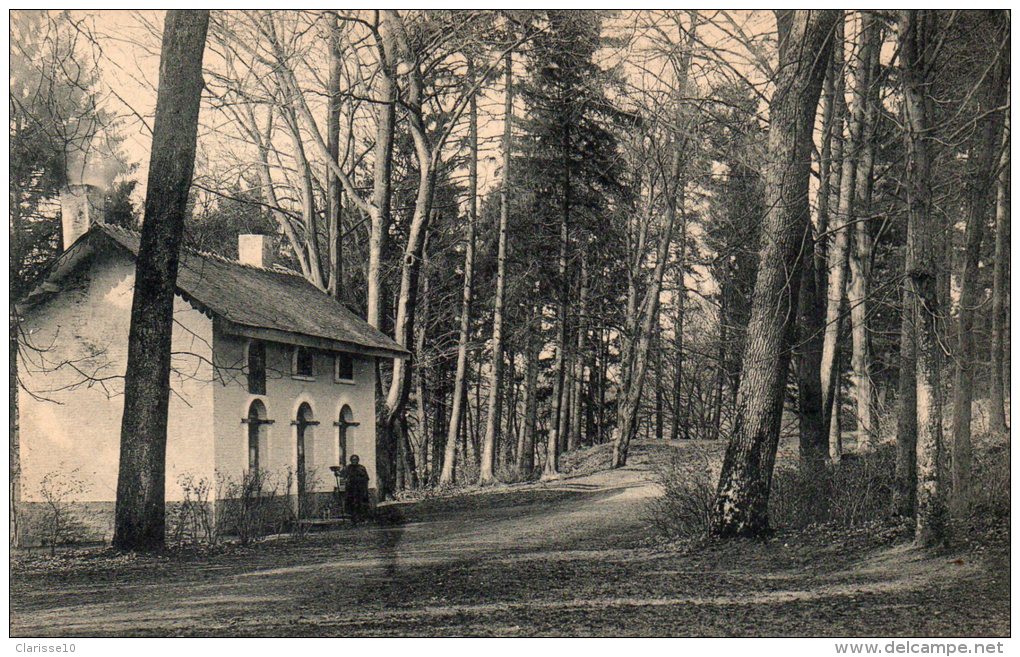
(69, 422)
(284, 395)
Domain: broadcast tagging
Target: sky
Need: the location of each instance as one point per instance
(127, 43)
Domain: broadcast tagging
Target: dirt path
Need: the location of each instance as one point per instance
(567, 557)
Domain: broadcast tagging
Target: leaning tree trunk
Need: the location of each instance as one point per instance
(394, 429)
(982, 160)
(916, 31)
(140, 509)
(741, 506)
(460, 378)
(629, 402)
(485, 472)
(996, 395)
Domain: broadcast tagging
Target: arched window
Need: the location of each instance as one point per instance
(257, 367)
(256, 421)
(345, 429)
(304, 423)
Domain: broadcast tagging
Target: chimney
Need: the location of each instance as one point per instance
(255, 250)
(81, 205)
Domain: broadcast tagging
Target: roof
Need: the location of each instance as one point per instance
(272, 304)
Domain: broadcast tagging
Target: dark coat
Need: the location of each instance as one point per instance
(356, 477)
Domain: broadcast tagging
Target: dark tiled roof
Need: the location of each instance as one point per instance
(273, 301)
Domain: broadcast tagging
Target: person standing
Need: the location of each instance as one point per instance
(356, 477)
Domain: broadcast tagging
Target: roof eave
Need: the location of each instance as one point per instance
(300, 339)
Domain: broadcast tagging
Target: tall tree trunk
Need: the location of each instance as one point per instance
(637, 237)
(140, 508)
(996, 395)
(861, 256)
(659, 414)
(837, 141)
(679, 416)
(526, 437)
(558, 415)
(464, 336)
(426, 157)
(720, 375)
(640, 320)
(382, 174)
(916, 35)
(850, 179)
(741, 507)
(982, 159)
(566, 389)
(485, 473)
(578, 378)
(16, 264)
(826, 180)
(835, 426)
(440, 424)
(906, 422)
(814, 439)
(334, 191)
(629, 399)
(507, 445)
(418, 475)
(309, 215)
(14, 435)
(603, 357)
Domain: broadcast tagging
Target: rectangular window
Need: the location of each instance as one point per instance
(344, 368)
(304, 362)
(257, 367)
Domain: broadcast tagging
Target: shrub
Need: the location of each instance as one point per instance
(856, 491)
(990, 494)
(191, 521)
(60, 524)
(250, 507)
(684, 510)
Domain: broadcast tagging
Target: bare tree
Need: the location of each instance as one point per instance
(858, 291)
(982, 160)
(741, 507)
(666, 183)
(460, 378)
(852, 177)
(140, 509)
(486, 475)
(917, 29)
(996, 396)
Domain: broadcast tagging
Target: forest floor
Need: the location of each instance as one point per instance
(571, 557)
